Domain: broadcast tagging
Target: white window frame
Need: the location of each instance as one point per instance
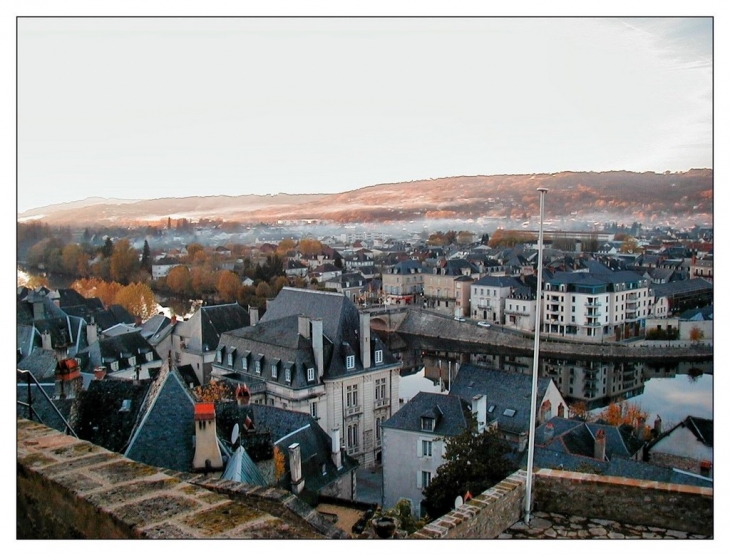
(425, 447)
(310, 374)
(244, 363)
(378, 356)
(350, 362)
(287, 374)
(274, 371)
(229, 356)
(148, 356)
(257, 367)
(114, 366)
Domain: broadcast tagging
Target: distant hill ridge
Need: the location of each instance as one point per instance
(631, 194)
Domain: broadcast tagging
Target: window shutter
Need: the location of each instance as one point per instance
(419, 448)
(418, 479)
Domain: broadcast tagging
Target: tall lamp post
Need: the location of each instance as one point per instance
(535, 365)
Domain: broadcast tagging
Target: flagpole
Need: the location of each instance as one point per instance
(535, 364)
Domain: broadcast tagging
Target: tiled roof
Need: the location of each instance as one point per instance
(165, 435)
(577, 437)
(107, 412)
(241, 468)
(26, 338)
(451, 413)
(118, 348)
(498, 282)
(43, 408)
(681, 287)
(504, 391)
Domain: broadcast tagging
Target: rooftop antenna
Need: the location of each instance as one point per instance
(535, 362)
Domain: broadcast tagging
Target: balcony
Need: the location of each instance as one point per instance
(384, 402)
(353, 410)
(595, 303)
(522, 312)
(592, 313)
(593, 324)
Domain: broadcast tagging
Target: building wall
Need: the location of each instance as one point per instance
(403, 463)
(681, 442)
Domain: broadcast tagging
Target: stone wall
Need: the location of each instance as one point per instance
(648, 503)
(670, 506)
(72, 489)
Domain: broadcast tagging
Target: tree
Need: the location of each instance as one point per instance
(309, 246)
(70, 258)
(146, 262)
(108, 248)
(228, 285)
(696, 334)
(474, 463)
(263, 290)
(179, 280)
(215, 391)
(124, 262)
(622, 413)
(138, 299)
(194, 248)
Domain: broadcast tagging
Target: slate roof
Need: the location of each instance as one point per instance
(451, 412)
(43, 407)
(703, 313)
(498, 282)
(504, 390)
(41, 363)
(68, 297)
(187, 373)
(164, 437)
(58, 328)
(241, 468)
(102, 416)
(703, 429)
(409, 266)
(681, 287)
(205, 327)
(576, 437)
(26, 338)
(154, 325)
(117, 348)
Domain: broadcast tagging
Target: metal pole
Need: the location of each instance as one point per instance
(535, 363)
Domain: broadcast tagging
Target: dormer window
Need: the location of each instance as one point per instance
(287, 375)
(428, 423)
(219, 356)
(115, 366)
(148, 356)
(378, 356)
(350, 362)
(230, 356)
(257, 367)
(132, 361)
(126, 406)
(274, 370)
(310, 374)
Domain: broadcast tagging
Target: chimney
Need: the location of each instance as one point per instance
(336, 453)
(522, 442)
(640, 425)
(561, 410)
(46, 340)
(99, 373)
(479, 411)
(295, 468)
(253, 313)
(68, 379)
(243, 394)
(137, 321)
(304, 327)
(92, 333)
(173, 320)
(318, 345)
(548, 432)
(599, 446)
(207, 456)
(705, 468)
(365, 340)
(658, 425)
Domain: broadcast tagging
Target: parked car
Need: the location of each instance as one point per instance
(460, 319)
(483, 323)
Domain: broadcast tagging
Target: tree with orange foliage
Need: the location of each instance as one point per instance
(579, 410)
(509, 238)
(214, 391)
(624, 413)
(279, 464)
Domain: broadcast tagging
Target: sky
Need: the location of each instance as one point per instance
(166, 107)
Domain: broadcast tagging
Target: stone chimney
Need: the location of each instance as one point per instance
(99, 373)
(365, 340)
(46, 342)
(207, 452)
(336, 452)
(318, 345)
(658, 425)
(599, 446)
(548, 432)
(92, 332)
(479, 411)
(304, 327)
(295, 468)
(522, 442)
(253, 313)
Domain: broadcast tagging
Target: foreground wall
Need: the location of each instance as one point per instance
(71, 489)
(649, 503)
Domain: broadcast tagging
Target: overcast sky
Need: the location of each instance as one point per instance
(143, 108)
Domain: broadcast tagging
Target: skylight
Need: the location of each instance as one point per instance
(509, 412)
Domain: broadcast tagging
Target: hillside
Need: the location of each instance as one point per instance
(638, 196)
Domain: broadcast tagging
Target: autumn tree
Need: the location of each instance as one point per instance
(279, 464)
(178, 280)
(193, 249)
(203, 279)
(94, 287)
(579, 410)
(629, 245)
(215, 391)
(510, 238)
(228, 285)
(72, 259)
(623, 413)
(464, 238)
(285, 245)
(696, 334)
(138, 299)
(278, 284)
(124, 262)
(309, 246)
(474, 463)
(263, 290)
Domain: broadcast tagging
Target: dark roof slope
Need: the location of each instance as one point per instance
(106, 413)
(451, 412)
(41, 363)
(44, 409)
(217, 319)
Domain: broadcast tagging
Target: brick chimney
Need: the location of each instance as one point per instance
(253, 313)
(599, 446)
(705, 468)
(68, 379)
(365, 340)
(207, 452)
(479, 411)
(318, 345)
(99, 373)
(548, 432)
(336, 451)
(295, 468)
(658, 425)
(304, 327)
(243, 395)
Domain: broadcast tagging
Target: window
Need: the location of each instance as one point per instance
(132, 361)
(230, 358)
(257, 367)
(310, 374)
(378, 356)
(148, 356)
(115, 365)
(378, 423)
(313, 409)
(427, 423)
(426, 448)
(274, 371)
(287, 375)
(424, 479)
(352, 396)
(379, 388)
(219, 356)
(244, 363)
(350, 362)
(353, 436)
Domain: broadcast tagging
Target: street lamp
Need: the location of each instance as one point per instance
(535, 362)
